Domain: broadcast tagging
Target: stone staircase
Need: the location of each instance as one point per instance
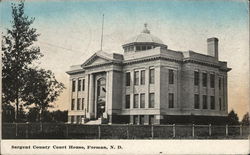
(98, 121)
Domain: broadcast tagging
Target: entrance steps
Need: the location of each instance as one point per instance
(98, 121)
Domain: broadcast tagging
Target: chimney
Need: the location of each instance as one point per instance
(212, 47)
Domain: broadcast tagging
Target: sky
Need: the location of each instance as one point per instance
(70, 32)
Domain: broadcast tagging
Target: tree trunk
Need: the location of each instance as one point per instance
(17, 109)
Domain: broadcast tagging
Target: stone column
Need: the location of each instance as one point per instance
(109, 94)
(147, 88)
(91, 95)
(70, 99)
(105, 114)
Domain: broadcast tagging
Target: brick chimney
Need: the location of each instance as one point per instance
(212, 47)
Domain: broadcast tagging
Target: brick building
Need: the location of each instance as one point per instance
(149, 84)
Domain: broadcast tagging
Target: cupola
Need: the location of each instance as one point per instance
(143, 41)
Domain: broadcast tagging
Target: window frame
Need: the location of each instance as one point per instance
(83, 84)
(79, 84)
(170, 76)
(142, 98)
(73, 85)
(220, 103)
(151, 104)
(136, 102)
(212, 102)
(136, 79)
(196, 101)
(82, 103)
(78, 102)
(135, 119)
(142, 119)
(151, 75)
(204, 79)
(196, 78)
(204, 102)
(128, 78)
(220, 80)
(142, 80)
(127, 101)
(212, 80)
(170, 100)
(72, 104)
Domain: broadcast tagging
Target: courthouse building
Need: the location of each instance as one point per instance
(149, 84)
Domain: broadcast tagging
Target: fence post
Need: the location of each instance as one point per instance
(67, 131)
(128, 131)
(173, 130)
(226, 130)
(193, 130)
(41, 126)
(99, 131)
(27, 131)
(16, 129)
(210, 130)
(152, 131)
(241, 130)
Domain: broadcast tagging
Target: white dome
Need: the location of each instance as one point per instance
(144, 37)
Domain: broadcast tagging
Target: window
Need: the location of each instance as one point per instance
(220, 106)
(138, 48)
(143, 48)
(82, 103)
(78, 104)
(152, 76)
(73, 104)
(136, 78)
(83, 84)
(142, 77)
(196, 101)
(151, 119)
(170, 100)
(79, 85)
(204, 79)
(73, 86)
(219, 83)
(204, 102)
(212, 102)
(136, 100)
(149, 47)
(170, 76)
(223, 105)
(128, 79)
(151, 100)
(141, 119)
(72, 119)
(196, 78)
(136, 121)
(212, 77)
(131, 48)
(142, 100)
(101, 88)
(127, 102)
(78, 119)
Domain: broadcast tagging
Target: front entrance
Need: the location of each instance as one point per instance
(101, 97)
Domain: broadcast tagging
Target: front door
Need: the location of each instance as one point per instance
(101, 97)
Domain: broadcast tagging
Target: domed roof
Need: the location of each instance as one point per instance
(144, 37)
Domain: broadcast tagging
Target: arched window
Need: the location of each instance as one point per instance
(101, 87)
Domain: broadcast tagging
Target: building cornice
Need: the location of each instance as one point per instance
(151, 58)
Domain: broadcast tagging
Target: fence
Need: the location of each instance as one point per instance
(79, 131)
